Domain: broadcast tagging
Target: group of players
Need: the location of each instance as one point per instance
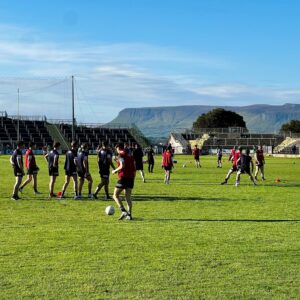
(76, 166)
(242, 163)
(128, 162)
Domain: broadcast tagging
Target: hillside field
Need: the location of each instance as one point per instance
(192, 239)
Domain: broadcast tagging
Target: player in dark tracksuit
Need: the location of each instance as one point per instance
(16, 161)
(243, 167)
(104, 164)
(71, 170)
(83, 170)
(52, 158)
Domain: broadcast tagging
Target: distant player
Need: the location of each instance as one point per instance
(219, 156)
(234, 160)
(16, 161)
(83, 171)
(232, 153)
(32, 168)
(71, 170)
(167, 163)
(243, 167)
(150, 158)
(126, 175)
(196, 154)
(104, 164)
(260, 163)
(52, 158)
(138, 158)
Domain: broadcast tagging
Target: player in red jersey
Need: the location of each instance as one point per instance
(235, 155)
(231, 155)
(196, 154)
(126, 174)
(260, 163)
(167, 163)
(32, 168)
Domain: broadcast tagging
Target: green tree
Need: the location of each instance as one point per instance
(219, 118)
(292, 126)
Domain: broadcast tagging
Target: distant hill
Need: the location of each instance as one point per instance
(159, 121)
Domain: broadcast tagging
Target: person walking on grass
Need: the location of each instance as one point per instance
(52, 159)
(16, 161)
(138, 157)
(126, 175)
(260, 163)
(32, 168)
(83, 171)
(196, 154)
(104, 163)
(243, 167)
(167, 163)
(219, 156)
(71, 170)
(150, 159)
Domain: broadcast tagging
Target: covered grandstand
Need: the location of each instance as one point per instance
(43, 132)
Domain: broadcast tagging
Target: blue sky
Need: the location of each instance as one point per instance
(138, 53)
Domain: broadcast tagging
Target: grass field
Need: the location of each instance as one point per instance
(192, 239)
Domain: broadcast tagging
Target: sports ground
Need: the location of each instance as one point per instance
(192, 239)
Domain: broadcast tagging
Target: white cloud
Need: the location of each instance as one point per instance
(110, 77)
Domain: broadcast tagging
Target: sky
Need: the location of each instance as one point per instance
(146, 53)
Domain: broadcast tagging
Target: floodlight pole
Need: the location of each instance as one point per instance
(73, 111)
(18, 126)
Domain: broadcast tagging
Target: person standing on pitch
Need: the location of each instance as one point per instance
(104, 163)
(260, 163)
(83, 171)
(52, 158)
(219, 155)
(32, 168)
(167, 163)
(243, 166)
(138, 157)
(196, 153)
(71, 170)
(126, 174)
(150, 158)
(16, 161)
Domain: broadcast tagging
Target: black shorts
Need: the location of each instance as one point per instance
(18, 172)
(244, 171)
(71, 173)
(197, 158)
(168, 168)
(104, 175)
(234, 168)
(139, 166)
(53, 171)
(32, 171)
(125, 183)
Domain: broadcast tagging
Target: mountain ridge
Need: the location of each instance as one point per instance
(161, 120)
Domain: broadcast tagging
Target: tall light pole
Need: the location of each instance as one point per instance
(73, 111)
(18, 128)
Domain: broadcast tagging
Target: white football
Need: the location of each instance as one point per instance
(109, 210)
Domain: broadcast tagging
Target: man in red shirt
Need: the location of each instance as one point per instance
(260, 163)
(32, 168)
(196, 153)
(126, 174)
(235, 155)
(167, 163)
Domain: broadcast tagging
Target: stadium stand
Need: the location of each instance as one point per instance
(38, 130)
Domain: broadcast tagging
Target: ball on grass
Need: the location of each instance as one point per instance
(109, 210)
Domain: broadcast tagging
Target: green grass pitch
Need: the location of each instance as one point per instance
(192, 239)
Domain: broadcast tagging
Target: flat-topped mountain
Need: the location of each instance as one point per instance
(160, 121)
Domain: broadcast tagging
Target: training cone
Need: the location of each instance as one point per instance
(58, 194)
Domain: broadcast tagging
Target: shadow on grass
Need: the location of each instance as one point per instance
(179, 198)
(220, 220)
